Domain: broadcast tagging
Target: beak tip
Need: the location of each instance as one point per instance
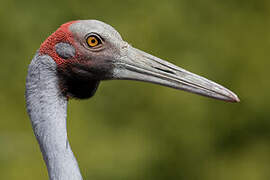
(237, 99)
(234, 98)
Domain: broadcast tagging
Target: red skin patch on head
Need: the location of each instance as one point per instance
(62, 34)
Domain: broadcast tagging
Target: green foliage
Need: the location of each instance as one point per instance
(134, 130)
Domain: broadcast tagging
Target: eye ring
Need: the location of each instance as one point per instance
(93, 41)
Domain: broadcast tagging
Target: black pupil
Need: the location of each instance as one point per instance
(93, 41)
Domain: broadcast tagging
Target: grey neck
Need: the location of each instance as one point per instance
(47, 109)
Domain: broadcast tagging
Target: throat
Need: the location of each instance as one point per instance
(75, 83)
(73, 88)
(47, 109)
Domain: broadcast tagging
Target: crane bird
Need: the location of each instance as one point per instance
(71, 62)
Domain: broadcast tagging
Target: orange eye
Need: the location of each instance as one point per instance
(93, 41)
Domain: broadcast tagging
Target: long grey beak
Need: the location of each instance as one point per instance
(141, 66)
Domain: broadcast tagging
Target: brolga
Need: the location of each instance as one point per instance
(71, 63)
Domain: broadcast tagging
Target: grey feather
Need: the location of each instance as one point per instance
(47, 110)
(65, 50)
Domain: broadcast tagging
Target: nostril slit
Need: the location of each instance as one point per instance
(165, 70)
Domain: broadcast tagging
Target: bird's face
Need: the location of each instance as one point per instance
(89, 51)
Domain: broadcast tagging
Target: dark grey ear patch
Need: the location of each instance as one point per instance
(65, 50)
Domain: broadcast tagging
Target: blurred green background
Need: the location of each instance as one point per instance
(135, 130)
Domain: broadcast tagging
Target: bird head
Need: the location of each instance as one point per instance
(88, 51)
